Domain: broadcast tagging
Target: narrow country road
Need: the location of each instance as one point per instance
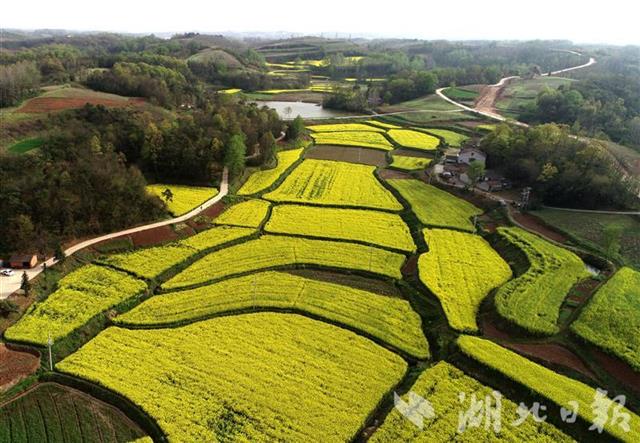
(8, 285)
(485, 105)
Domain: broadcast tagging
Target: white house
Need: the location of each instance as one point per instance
(470, 155)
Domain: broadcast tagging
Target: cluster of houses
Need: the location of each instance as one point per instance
(456, 162)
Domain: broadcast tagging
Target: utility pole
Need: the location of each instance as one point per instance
(50, 344)
(526, 194)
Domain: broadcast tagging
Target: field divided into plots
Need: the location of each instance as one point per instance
(325, 182)
(435, 207)
(561, 390)
(460, 269)
(441, 385)
(269, 377)
(363, 225)
(533, 299)
(55, 413)
(80, 296)
(275, 251)
(389, 319)
(611, 319)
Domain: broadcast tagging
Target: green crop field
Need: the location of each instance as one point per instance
(441, 385)
(435, 207)
(414, 139)
(26, 145)
(532, 300)
(328, 182)
(265, 377)
(364, 139)
(261, 180)
(54, 413)
(611, 320)
(80, 296)
(249, 214)
(407, 163)
(451, 138)
(151, 262)
(390, 319)
(460, 269)
(272, 251)
(615, 235)
(544, 382)
(460, 94)
(382, 228)
(184, 199)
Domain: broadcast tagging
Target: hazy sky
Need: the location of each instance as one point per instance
(610, 21)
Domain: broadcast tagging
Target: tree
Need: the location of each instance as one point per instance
(25, 285)
(58, 252)
(235, 155)
(295, 128)
(168, 195)
(475, 171)
(267, 147)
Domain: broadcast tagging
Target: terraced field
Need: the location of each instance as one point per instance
(183, 198)
(442, 385)
(389, 319)
(561, 390)
(271, 251)
(533, 300)
(460, 269)
(306, 306)
(150, 263)
(261, 180)
(81, 295)
(611, 320)
(382, 229)
(248, 214)
(364, 139)
(325, 182)
(55, 413)
(269, 377)
(435, 207)
(414, 139)
(407, 163)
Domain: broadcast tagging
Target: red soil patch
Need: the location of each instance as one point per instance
(365, 156)
(153, 236)
(15, 366)
(535, 224)
(489, 329)
(620, 370)
(554, 354)
(214, 210)
(49, 104)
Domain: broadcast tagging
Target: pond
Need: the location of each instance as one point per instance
(305, 110)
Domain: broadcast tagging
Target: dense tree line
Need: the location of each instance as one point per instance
(18, 81)
(76, 186)
(561, 169)
(89, 175)
(602, 105)
(163, 86)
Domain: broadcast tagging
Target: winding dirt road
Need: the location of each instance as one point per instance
(8, 285)
(485, 105)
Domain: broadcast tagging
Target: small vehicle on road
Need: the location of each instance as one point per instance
(7, 272)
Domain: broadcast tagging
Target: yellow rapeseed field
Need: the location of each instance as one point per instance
(254, 377)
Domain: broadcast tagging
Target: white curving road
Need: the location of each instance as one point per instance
(501, 84)
(8, 285)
